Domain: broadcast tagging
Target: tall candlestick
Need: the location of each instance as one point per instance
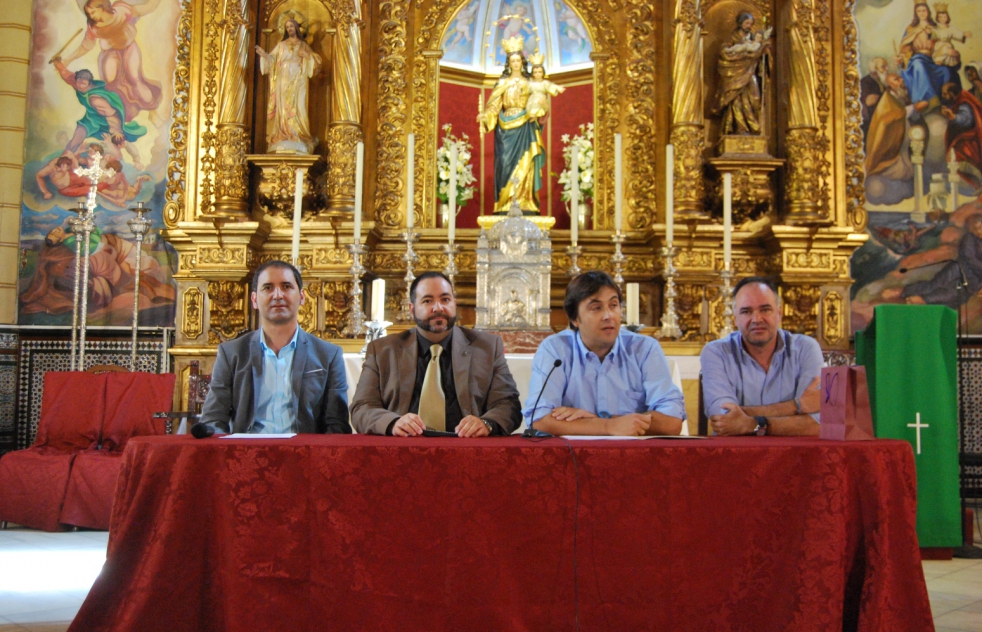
(452, 195)
(669, 195)
(574, 196)
(297, 207)
(359, 178)
(378, 300)
(633, 303)
(618, 184)
(727, 219)
(410, 174)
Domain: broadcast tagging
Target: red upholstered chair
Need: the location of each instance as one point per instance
(131, 400)
(33, 481)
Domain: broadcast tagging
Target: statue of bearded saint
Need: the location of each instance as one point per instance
(741, 69)
(290, 67)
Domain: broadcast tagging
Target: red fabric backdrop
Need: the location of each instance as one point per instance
(458, 106)
(379, 533)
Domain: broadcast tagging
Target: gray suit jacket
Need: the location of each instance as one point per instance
(485, 387)
(319, 385)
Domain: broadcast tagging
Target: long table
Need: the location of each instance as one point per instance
(380, 533)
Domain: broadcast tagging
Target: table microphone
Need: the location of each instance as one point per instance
(530, 432)
(202, 431)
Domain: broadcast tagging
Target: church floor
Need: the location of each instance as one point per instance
(44, 578)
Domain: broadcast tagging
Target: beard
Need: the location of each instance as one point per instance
(426, 325)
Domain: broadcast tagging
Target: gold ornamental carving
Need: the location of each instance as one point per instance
(307, 313)
(853, 142)
(391, 103)
(692, 259)
(606, 72)
(185, 263)
(833, 325)
(212, 256)
(807, 261)
(643, 156)
(337, 295)
(342, 142)
(192, 323)
(177, 155)
(800, 309)
(232, 174)
(227, 317)
(331, 257)
(688, 102)
(689, 303)
(277, 185)
(209, 89)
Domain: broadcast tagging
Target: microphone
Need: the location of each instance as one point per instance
(961, 271)
(202, 431)
(530, 432)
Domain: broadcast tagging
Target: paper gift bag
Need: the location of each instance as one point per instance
(845, 412)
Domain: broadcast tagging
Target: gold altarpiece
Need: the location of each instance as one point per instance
(798, 193)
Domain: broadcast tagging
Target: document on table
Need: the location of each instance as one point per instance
(250, 435)
(609, 438)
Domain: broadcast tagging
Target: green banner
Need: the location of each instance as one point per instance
(909, 354)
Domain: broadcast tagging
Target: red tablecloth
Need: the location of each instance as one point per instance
(380, 533)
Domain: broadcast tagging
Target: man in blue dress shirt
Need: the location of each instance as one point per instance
(610, 381)
(279, 378)
(761, 379)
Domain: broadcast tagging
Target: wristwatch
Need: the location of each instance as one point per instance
(761, 428)
(489, 426)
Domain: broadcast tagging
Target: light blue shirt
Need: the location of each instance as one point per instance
(633, 378)
(275, 403)
(731, 375)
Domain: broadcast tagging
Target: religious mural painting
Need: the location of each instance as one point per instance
(921, 98)
(101, 82)
(461, 42)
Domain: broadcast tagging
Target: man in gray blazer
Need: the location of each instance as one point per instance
(279, 378)
(436, 376)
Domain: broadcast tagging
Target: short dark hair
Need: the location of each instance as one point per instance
(276, 263)
(756, 279)
(84, 73)
(582, 288)
(432, 274)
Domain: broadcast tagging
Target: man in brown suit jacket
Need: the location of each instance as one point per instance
(479, 391)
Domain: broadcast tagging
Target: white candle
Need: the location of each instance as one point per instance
(618, 184)
(378, 300)
(452, 194)
(633, 303)
(727, 219)
(410, 174)
(669, 195)
(359, 177)
(297, 207)
(574, 197)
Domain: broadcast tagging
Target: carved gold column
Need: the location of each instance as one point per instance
(225, 178)
(804, 151)
(688, 127)
(346, 129)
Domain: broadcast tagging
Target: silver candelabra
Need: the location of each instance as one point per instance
(451, 250)
(670, 319)
(356, 318)
(139, 226)
(618, 259)
(374, 329)
(410, 257)
(574, 251)
(726, 274)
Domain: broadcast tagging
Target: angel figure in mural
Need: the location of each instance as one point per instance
(462, 25)
(945, 53)
(290, 66)
(923, 76)
(742, 68)
(519, 153)
(113, 26)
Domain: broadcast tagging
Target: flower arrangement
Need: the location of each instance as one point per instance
(584, 141)
(465, 173)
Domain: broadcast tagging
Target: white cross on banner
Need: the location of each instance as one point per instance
(918, 427)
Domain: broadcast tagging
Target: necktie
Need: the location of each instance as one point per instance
(432, 403)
